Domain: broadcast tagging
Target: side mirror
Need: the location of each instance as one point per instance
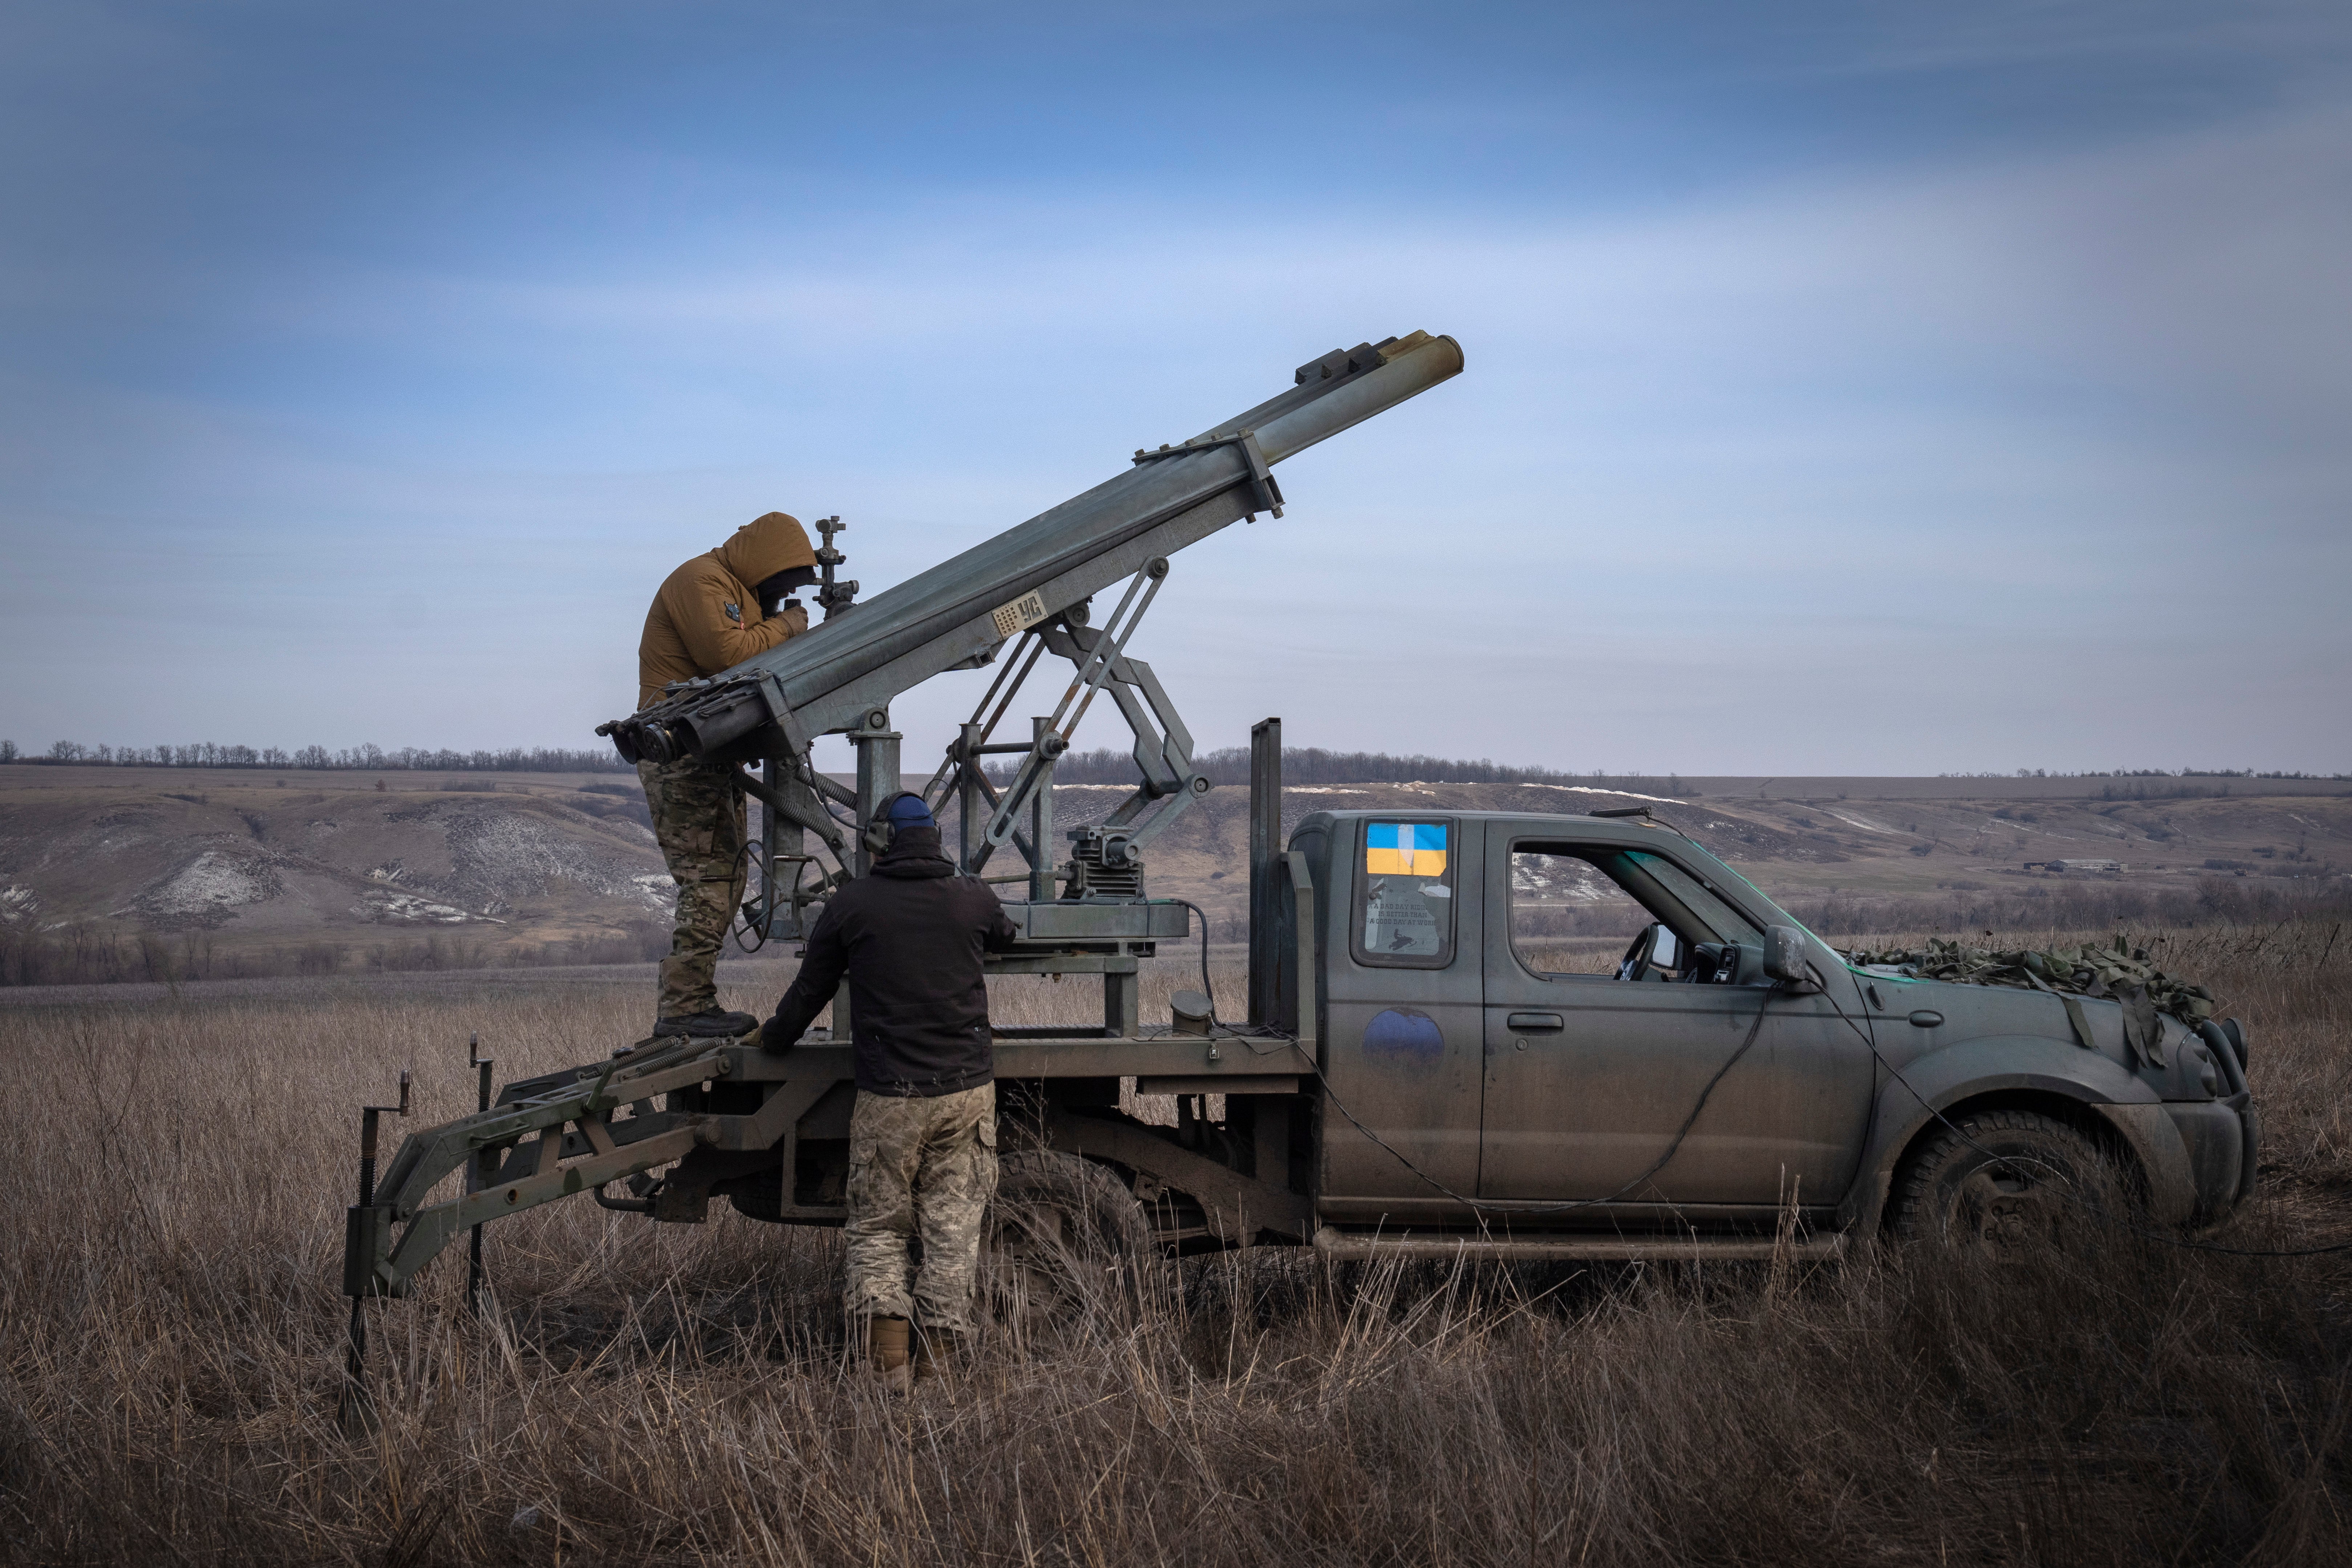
(1785, 959)
(1665, 949)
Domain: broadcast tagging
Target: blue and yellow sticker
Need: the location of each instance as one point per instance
(1404, 848)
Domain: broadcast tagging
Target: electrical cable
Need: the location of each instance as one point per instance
(752, 851)
(1673, 1148)
(1207, 990)
(2014, 1161)
(1675, 1145)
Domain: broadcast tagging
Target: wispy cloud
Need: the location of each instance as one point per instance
(2017, 460)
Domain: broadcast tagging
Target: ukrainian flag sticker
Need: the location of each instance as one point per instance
(1404, 848)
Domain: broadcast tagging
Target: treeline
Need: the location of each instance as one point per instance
(2147, 773)
(351, 759)
(1313, 765)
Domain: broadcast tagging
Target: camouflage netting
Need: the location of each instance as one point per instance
(2126, 974)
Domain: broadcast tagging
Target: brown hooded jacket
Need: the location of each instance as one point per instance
(705, 615)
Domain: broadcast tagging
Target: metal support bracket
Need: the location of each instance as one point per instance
(1265, 494)
(1163, 748)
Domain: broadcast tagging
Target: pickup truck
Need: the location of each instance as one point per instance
(1430, 1074)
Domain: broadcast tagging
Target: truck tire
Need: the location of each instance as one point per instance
(2003, 1181)
(1064, 1239)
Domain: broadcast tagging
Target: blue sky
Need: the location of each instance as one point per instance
(1852, 388)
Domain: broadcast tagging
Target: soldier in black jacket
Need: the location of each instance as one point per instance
(922, 1139)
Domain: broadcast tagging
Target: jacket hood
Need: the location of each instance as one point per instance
(765, 546)
(915, 853)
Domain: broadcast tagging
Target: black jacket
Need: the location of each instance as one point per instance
(909, 937)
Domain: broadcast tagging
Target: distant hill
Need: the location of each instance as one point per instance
(139, 873)
(208, 870)
(1868, 854)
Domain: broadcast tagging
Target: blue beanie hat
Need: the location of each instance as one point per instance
(908, 811)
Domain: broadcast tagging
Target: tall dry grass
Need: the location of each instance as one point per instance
(171, 1342)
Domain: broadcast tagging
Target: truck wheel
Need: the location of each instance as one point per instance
(2003, 1181)
(1064, 1237)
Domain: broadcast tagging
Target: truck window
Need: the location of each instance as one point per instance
(1566, 917)
(1575, 910)
(1722, 922)
(1405, 896)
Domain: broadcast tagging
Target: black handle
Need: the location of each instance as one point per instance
(1924, 1019)
(1533, 1023)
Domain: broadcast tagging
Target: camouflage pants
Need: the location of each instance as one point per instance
(698, 812)
(918, 1168)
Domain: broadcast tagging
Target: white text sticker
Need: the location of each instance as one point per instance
(1020, 614)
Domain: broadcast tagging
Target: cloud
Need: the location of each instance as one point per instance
(2032, 463)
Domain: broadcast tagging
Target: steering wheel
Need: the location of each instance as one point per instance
(1636, 965)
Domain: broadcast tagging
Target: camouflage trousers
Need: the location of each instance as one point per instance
(918, 1169)
(698, 812)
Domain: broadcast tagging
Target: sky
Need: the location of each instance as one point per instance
(1851, 388)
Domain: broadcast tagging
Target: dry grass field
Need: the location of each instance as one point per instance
(172, 1340)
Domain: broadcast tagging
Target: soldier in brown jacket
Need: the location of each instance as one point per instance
(712, 613)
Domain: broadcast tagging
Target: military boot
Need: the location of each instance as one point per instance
(710, 1024)
(886, 1352)
(937, 1353)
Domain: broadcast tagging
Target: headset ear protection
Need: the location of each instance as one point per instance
(901, 810)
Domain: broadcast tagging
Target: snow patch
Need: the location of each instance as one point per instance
(1544, 878)
(1621, 793)
(16, 903)
(508, 856)
(210, 888)
(407, 909)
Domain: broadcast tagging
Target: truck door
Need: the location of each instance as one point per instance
(1588, 1076)
(1404, 1019)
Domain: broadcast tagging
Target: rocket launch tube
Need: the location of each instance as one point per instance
(864, 656)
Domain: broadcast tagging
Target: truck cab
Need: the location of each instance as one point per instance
(1472, 1017)
(1536, 1026)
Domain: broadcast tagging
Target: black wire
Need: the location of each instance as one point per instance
(1674, 1147)
(2014, 1161)
(1509, 1208)
(1339, 1105)
(1671, 1149)
(1206, 989)
(742, 921)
